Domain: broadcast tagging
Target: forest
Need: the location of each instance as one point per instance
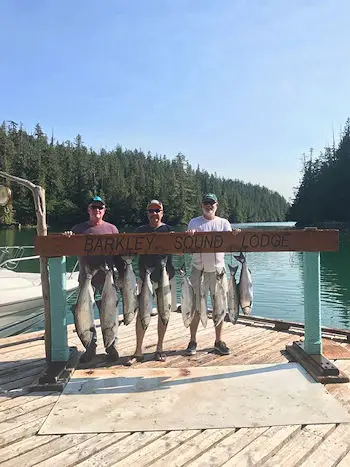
(126, 179)
(324, 192)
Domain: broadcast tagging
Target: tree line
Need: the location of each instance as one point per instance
(127, 179)
(324, 192)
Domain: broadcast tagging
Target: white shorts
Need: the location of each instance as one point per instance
(209, 285)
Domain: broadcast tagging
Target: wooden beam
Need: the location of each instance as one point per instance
(41, 227)
(182, 242)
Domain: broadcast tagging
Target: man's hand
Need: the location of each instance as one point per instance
(68, 233)
(236, 231)
(190, 232)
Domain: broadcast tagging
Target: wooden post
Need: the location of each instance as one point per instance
(41, 228)
(58, 310)
(312, 303)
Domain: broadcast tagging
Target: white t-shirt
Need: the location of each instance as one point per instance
(210, 262)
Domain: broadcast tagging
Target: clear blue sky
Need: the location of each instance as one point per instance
(239, 87)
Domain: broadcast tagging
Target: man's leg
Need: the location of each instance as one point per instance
(160, 355)
(195, 281)
(140, 334)
(219, 345)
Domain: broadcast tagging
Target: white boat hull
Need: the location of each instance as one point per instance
(21, 301)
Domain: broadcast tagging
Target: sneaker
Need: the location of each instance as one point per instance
(191, 348)
(89, 354)
(112, 353)
(221, 348)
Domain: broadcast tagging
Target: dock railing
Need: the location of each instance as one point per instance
(310, 241)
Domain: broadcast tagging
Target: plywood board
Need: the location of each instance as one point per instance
(147, 399)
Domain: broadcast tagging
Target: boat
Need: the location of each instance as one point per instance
(21, 300)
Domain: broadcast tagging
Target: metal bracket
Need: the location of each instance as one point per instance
(57, 374)
(319, 367)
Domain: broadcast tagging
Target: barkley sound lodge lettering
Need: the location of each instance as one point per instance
(260, 241)
(117, 244)
(181, 243)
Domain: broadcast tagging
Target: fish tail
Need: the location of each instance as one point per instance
(233, 269)
(182, 270)
(89, 272)
(240, 258)
(127, 259)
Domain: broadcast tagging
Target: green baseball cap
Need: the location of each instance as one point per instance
(209, 197)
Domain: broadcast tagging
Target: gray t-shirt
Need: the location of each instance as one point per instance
(94, 262)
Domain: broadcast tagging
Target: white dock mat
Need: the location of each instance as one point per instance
(127, 399)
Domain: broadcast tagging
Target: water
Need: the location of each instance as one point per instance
(277, 278)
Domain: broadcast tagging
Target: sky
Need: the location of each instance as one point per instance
(242, 88)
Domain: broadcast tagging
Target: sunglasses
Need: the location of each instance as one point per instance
(93, 206)
(209, 202)
(154, 210)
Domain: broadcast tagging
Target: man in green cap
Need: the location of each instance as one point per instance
(207, 265)
(95, 225)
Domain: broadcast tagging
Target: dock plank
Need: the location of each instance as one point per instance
(24, 430)
(147, 454)
(23, 413)
(47, 450)
(332, 450)
(30, 406)
(12, 402)
(227, 448)
(78, 453)
(264, 447)
(345, 462)
(27, 417)
(190, 449)
(125, 447)
(301, 446)
(23, 446)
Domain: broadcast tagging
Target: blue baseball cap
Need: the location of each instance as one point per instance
(97, 200)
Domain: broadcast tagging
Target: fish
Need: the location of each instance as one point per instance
(108, 310)
(164, 294)
(202, 306)
(129, 290)
(245, 286)
(220, 298)
(146, 299)
(233, 296)
(83, 311)
(188, 303)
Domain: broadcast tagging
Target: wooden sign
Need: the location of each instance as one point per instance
(183, 242)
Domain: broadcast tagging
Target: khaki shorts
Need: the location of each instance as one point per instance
(155, 286)
(209, 285)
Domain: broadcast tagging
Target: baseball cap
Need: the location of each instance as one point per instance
(209, 197)
(97, 200)
(155, 203)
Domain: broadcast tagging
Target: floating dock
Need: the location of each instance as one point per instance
(23, 413)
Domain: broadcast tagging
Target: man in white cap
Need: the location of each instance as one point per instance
(208, 264)
(155, 215)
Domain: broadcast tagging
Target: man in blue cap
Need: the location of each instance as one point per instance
(96, 226)
(205, 266)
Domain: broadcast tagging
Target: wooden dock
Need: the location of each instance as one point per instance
(23, 412)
